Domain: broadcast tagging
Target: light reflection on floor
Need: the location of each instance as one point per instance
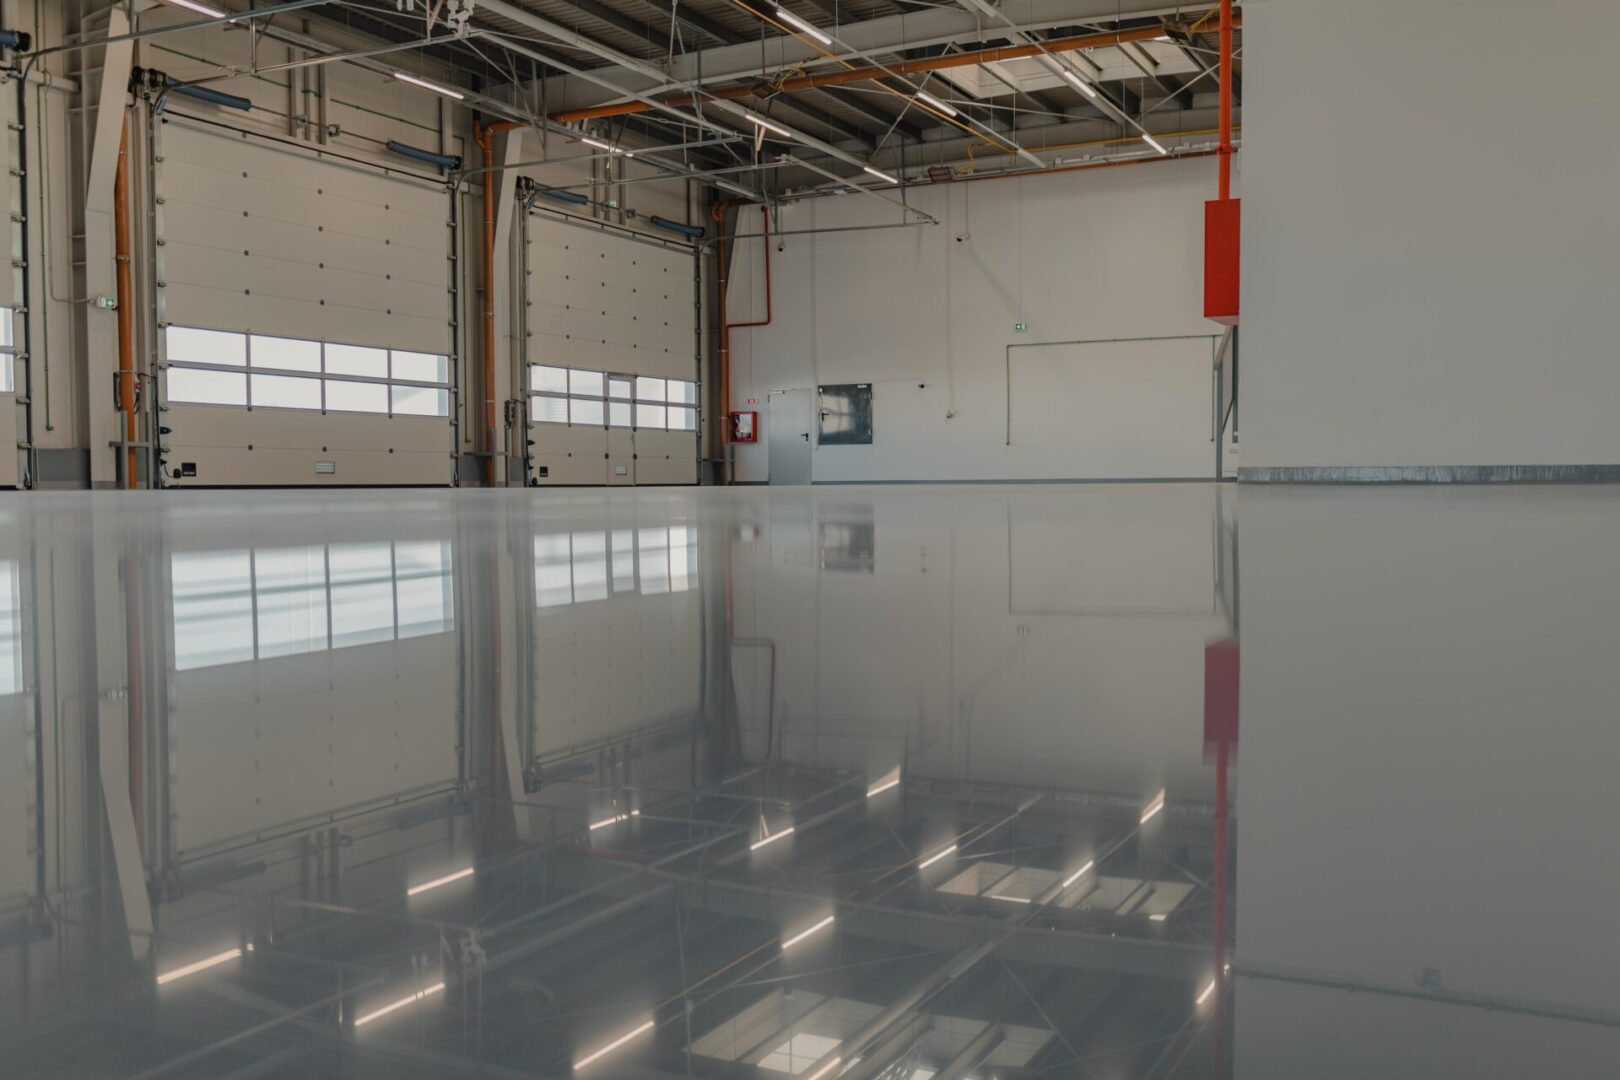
(902, 782)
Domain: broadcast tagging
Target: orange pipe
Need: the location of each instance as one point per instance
(868, 74)
(1226, 101)
(486, 144)
(126, 305)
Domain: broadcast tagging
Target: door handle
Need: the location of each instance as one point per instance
(805, 436)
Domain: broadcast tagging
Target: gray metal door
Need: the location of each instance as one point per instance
(788, 432)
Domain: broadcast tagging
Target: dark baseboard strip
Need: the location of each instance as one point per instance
(1433, 474)
(1015, 482)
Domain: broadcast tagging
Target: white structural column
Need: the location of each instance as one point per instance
(112, 705)
(508, 345)
(504, 601)
(100, 269)
(1441, 308)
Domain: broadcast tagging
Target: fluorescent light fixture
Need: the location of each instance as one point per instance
(400, 1004)
(1159, 916)
(433, 86)
(612, 1046)
(1155, 143)
(887, 782)
(1010, 899)
(588, 141)
(771, 839)
(826, 1070)
(1080, 84)
(614, 820)
(936, 856)
(768, 126)
(802, 934)
(1152, 809)
(885, 177)
(436, 882)
(201, 9)
(801, 25)
(201, 965)
(1074, 877)
(1162, 37)
(929, 99)
(1204, 994)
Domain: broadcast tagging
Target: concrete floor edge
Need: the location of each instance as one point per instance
(1431, 474)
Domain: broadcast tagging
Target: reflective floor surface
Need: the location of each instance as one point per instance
(875, 783)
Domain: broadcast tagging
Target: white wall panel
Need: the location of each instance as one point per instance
(260, 745)
(277, 240)
(615, 664)
(1449, 299)
(926, 315)
(601, 299)
(282, 240)
(666, 457)
(234, 447)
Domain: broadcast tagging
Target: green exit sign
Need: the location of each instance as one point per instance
(1019, 328)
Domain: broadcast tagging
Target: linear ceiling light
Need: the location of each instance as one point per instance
(614, 820)
(1155, 143)
(1204, 995)
(885, 177)
(929, 99)
(201, 9)
(1159, 916)
(886, 782)
(935, 857)
(768, 126)
(802, 934)
(433, 86)
(588, 141)
(826, 1070)
(1080, 84)
(612, 1046)
(201, 965)
(400, 1004)
(1152, 809)
(415, 890)
(771, 839)
(1010, 899)
(1074, 877)
(800, 24)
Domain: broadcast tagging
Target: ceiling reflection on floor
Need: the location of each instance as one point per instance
(873, 783)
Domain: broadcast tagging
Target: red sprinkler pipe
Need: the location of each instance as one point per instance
(726, 327)
(1226, 101)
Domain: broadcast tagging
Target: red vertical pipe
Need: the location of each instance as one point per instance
(1226, 101)
(1223, 750)
(726, 327)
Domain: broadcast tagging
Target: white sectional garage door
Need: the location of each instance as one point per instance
(307, 307)
(611, 321)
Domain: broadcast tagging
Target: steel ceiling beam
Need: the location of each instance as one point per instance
(893, 34)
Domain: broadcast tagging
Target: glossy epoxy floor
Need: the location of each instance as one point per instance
(907, 782)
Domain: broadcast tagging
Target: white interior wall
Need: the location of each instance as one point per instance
(935, 649)
(1429, 258)
(927, 319)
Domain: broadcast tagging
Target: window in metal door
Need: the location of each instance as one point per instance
(846, 414)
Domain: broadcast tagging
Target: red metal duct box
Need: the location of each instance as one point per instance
(1223, 235)
(1221, 682)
